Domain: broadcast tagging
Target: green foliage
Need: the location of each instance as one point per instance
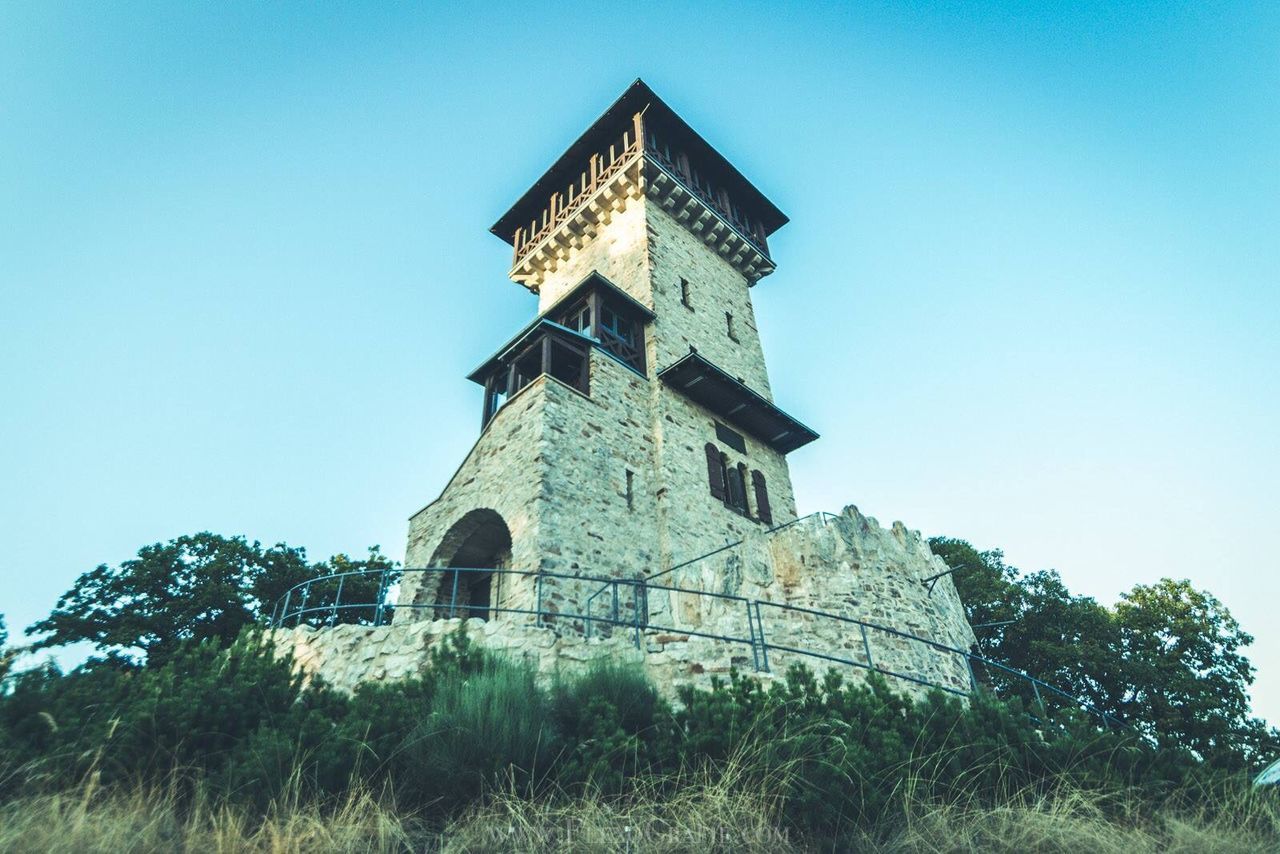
(7, 655)
(1168, 658)
(1185, 678)
(198, 587)
(236, 723)
(614, 725)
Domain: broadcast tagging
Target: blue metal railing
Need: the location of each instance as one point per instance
(319, 602)
(821, 516)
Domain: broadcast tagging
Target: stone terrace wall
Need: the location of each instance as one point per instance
(847, 565)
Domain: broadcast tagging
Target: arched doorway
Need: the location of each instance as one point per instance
(474, 546)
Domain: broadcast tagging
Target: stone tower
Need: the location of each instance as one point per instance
(628, 496)
(630, 426)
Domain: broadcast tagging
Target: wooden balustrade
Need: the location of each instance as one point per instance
(603, 166)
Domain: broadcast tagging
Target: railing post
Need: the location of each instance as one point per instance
(866, 646)
(306, 593)
(1039, 699)
(614, 584)
(337, 597)
(635, 611)
(537, 605)
(973, 679)
(284, 611)
(764, 644)
(751, 631)
(453, 595)
(382, 594)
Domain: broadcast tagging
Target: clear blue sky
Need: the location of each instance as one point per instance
(1029, 294)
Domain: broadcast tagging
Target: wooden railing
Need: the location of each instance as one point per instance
(604, 165)
(601, 168)
(717, 198)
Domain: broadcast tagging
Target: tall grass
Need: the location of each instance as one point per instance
(475, 756)
(154, 820)
(722, 811)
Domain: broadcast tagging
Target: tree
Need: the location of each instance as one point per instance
(1186, 679)
(1167, 658)
(190, 589)
(7, 655)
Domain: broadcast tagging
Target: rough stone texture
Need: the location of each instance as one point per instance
(550, 472)
(847, 565)
(553, 463)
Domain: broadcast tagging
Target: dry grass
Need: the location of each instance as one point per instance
(707, 813)
(1084, 821)
(152, 821)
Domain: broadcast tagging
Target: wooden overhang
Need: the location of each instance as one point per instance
(637, 99)
(731, 400)
(618, 297)
(540, 326)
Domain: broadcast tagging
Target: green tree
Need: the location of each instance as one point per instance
(7, 655)
(1186, 679)
(1167, 658)
(197, 587)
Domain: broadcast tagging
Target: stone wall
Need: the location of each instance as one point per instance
(845, 566)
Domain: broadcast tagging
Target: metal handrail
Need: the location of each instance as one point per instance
(640, 622)
(821, 514)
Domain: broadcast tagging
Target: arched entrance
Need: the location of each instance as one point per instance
(474, 546)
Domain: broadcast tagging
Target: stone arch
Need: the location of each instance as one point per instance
(475, 545)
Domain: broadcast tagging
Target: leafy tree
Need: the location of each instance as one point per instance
(7, 655)
(347, 590)
(1167, 658)
(1186, 678)
(196, 587)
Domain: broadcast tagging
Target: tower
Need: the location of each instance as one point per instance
(630, 426)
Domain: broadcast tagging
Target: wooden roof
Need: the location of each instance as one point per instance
(637, 98)
(704, 383)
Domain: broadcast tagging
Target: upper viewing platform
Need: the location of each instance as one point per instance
(639, 146)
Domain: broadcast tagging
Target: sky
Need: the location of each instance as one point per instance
(1029, 294)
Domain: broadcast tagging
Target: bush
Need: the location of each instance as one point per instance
(836, 761)
(616, 724)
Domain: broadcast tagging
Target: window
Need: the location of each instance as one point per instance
(684, 294)
(631, 477)
(763, 511)
(568, 364)
(578, 318)
(715, 471)
(622, 337)
(732, 438)
(728, 322)
(617, 331)
(563, 359)
(527, 368)
(729, 484)
(737, 499)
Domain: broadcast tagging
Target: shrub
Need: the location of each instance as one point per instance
(616, 725)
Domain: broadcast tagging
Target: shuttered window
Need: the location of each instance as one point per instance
(738, 488)
(715, 471)
(763, 512)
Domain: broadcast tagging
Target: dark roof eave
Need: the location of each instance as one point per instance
(594, 279)
(752, 411)
(478, 375)
(638, 95)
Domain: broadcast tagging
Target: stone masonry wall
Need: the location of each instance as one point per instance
(503, 472)
(715, 287)
(847, 565)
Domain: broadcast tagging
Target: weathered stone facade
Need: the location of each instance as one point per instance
(845, 566)
(617, 467)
